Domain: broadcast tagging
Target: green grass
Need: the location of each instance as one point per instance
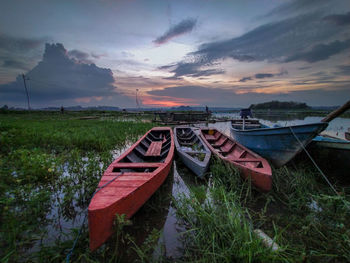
(50, 161)
(301, 214)
(50, 165)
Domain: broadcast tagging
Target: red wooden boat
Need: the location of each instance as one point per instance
(139, 172)
(249, 163)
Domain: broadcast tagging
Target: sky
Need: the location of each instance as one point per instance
(219, 53)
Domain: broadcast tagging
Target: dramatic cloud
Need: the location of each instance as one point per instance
(79, 55)
(271, 41)
(321, 52)
(340, 20)
(191, 70)
(13, 44)
(16, 52)
(15, 64)
(264, 75)
(181, 28)
(298, 6)
(58, 77)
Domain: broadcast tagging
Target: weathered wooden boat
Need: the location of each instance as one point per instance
(250, 164)
(192, 150)
(278, 144)
(330, 142)
(331, 154)
(132, 178)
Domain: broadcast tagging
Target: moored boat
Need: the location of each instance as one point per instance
(130, 181)
(192, 150)
(347, 135)
(331, 154)
(330, 142)
(277, 144)
(250, 164)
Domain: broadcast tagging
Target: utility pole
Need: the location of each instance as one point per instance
(25, 87)
(137, 101)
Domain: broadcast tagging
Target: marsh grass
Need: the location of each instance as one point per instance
(301, 214)
(218, 226)
(50, 165)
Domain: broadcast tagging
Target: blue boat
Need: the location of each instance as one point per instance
(277, 144)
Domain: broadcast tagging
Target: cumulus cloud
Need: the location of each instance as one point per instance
(59, 77)
(80, 56)
(185, 26)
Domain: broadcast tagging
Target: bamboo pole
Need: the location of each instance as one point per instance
(336, 112)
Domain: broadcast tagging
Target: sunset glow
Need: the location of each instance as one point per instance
(228, 54)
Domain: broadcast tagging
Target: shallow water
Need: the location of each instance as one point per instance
(164, 218)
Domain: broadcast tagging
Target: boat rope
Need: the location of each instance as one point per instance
(315, 164)
(82, 225)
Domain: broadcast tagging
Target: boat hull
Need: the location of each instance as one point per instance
(196, 166)
(250, 165)
(331, 154)
(134, 185)
(278, 145)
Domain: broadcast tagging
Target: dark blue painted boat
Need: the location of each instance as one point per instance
(277, 144)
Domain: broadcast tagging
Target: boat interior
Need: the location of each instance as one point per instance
(228, 148)
(154, 148)
(248, 124)
(186, 137)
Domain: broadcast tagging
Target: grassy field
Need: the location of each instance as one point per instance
(50, 164)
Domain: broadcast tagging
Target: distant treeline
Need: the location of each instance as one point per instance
(279, 105)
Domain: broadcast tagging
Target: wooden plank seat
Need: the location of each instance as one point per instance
(195, 152)
(136, 165)
(217, 145)
(210, 137)
(186, 143)
(244, 159)
(187, 138)
(228, 150)
(154, 149)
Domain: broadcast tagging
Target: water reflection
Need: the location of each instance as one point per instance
(69, 208)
